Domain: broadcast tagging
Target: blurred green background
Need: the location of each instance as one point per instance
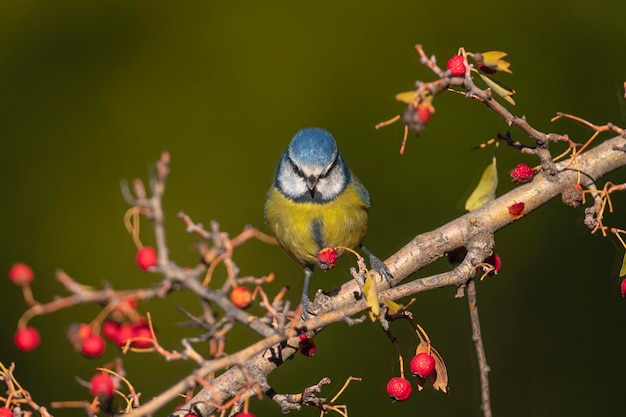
(92, 92)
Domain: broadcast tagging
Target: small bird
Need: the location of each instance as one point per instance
(316, 202)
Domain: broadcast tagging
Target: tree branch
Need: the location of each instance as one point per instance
(424, 249)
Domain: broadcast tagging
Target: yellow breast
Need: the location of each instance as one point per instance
(303, 229)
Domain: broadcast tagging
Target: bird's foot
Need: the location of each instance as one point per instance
(379, 266)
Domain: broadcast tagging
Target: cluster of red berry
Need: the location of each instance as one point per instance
(128, 326)
(422, 365)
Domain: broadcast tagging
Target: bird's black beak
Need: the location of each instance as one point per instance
(311, 183)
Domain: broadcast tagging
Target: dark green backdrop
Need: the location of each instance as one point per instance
(91, 93)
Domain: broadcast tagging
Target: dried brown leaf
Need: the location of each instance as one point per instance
(440, 376)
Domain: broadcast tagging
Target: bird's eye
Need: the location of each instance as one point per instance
(326, 173)
(295, 168)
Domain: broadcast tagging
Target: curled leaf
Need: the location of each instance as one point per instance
(440, 376)
(485, 191)
(622, 271)
(371, 295)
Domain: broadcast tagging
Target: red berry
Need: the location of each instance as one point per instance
(422, 365)
(306, 345)
(6, 412)
(521, 173)
(101, 385)
(423, 113)
(326, 258)
(142, 331)
(146, 257)
(124, 333)
(21, 274)
(624, 288)
(77, 333)
(399, 389)
(243, 415)
(241, 297)
(27, 339)
(456, 66)
(495, 261)
(516, 209)
(110, 330)
(93, 346)
(84, 331)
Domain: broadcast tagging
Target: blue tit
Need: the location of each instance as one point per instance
(316, 202)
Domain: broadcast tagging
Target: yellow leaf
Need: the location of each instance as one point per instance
(371, 295)
(396, 310)
(392, 306)
(499, 88)
(407, 97)
(485, 191)
(493, 59)
(622, 271)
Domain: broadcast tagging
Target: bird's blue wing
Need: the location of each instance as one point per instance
(361, 190)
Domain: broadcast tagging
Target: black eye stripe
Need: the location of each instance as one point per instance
(295, 168)
(330, 168)
(324, 174)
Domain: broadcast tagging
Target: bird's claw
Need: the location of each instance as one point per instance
(379, 266)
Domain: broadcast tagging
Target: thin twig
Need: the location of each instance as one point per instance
(480, 349)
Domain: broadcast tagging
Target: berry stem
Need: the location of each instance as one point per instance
(245, 405)
(422, 335)
(387, 122)
(29, 299)
(131, 221)
(345, 385)
(352, 251)
(401, 364)
(400, 359)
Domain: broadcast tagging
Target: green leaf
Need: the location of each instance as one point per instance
(622, 271)
(499, 88)
(485, 191)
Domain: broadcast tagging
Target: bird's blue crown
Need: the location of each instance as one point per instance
(312, 146)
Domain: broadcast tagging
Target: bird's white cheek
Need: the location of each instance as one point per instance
(290, 183)
(332, 185)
